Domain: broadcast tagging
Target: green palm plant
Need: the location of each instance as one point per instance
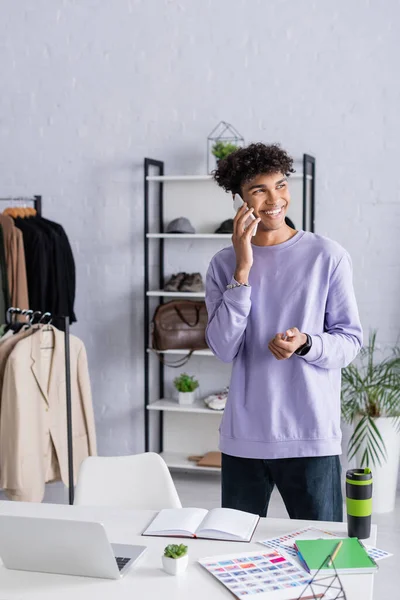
(371, 389)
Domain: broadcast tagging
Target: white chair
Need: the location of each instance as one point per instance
(142, 481)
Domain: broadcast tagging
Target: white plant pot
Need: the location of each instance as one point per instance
(175, 566)
(186, 397)
(384, 478)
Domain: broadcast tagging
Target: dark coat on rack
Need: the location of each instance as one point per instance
(50, 267)
(66, 276)
(37, 251)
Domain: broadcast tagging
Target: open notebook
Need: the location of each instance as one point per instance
(216, 524)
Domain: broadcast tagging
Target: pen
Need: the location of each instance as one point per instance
(336, 552)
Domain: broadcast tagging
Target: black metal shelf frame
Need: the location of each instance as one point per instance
(308, 199)
(149, 165)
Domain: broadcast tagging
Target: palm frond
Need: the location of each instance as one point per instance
(367, 438)
(371, 389)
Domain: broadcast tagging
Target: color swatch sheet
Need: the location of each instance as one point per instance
(256, 574)
(285, 543)
(377, 553)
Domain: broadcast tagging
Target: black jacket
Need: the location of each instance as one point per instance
(50, 268)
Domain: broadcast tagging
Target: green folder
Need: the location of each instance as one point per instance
(352, 556)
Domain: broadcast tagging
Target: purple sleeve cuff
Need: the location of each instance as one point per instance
(241, 294)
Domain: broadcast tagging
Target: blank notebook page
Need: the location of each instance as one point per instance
(176, 520)
(237, 524)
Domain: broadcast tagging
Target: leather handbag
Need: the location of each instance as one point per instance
(180, 325)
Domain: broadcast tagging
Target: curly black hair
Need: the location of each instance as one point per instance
(244, 164)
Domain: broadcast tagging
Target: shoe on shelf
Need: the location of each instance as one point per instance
(173, 283)
(193, 282)
(217, 401)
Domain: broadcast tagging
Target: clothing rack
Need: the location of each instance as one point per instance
(37, 203)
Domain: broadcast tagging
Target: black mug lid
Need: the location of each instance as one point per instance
(359, 474)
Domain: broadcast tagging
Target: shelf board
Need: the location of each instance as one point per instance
(183, 352)
(173, 406)
(161, 293)
(167, 178)
(190, 236)
(179, 178)
(176, 460)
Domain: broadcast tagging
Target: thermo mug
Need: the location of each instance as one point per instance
(359, 502)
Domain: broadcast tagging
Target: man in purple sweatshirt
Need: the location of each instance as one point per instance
(282, 309)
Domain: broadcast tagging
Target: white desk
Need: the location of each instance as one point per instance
(147, 581)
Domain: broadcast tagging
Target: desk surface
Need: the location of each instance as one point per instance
(147, 580)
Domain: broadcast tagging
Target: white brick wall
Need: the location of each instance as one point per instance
(89, 87)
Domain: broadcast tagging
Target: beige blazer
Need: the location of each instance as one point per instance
(33, 413)
(6, 347)
(15, 259)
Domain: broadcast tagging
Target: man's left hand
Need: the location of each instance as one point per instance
(283, 345)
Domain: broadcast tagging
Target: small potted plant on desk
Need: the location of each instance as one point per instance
(175, 559)
(186, 386)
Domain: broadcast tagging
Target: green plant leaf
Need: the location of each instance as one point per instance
(186, 383)
(175, 550)
(371, 389)
(367, 438)
(222, 149)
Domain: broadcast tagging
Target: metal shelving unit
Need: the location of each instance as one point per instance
(164, 406)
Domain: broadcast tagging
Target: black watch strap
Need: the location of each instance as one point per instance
(305, 348)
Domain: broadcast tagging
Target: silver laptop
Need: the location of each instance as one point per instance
(63, 546)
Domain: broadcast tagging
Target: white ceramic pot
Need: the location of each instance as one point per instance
(385, 477)
(175, 566)
(186, 397)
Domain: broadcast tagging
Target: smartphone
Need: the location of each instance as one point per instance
(237, 205)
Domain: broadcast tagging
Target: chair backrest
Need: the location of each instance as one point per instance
(142, 481)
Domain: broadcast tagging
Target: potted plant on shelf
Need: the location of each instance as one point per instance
(222, 149)
(186, 386)
(175, 559)
(371, 403)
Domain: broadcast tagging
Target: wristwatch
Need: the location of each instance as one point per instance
(305, 348)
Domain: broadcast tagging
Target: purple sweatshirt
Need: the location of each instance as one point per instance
(284, 408)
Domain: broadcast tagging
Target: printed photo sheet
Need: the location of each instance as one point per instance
(268, 572)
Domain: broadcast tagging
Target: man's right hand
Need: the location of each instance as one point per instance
(241, 240)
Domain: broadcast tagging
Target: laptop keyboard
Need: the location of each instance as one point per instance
(121, 562)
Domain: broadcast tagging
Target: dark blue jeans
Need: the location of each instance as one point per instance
(310, 487)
